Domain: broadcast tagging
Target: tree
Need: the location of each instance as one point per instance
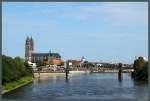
(139, 63)
(140, 69)
(14, 69)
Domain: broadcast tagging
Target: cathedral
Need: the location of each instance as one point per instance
(48, 58)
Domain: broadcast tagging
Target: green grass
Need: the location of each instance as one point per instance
(16, 84)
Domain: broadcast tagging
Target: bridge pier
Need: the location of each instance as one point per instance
(67, 69)
(120, 72)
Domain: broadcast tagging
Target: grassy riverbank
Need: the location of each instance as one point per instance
(16, 84)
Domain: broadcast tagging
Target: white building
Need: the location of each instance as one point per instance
(33, 65)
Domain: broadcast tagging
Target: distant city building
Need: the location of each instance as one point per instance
(48, 58)
(76, 62)
(83, 59)
(145, 58)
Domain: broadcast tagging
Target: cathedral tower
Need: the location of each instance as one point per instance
(29, 47)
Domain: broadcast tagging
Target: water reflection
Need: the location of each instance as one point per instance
(120, 77)
(38, 80)
(67, 80)
(83, 86)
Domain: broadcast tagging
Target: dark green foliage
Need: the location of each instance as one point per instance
(139, 63)
(140, 69)
(14, 69)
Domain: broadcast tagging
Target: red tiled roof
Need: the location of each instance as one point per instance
(75, 62)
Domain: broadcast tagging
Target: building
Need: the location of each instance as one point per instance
(76, 63)
(29, 48)
(48, 58)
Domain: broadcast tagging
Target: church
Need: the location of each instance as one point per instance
(48, 58)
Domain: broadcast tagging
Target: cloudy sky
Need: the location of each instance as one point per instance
(98, 31)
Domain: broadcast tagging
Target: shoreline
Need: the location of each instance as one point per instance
(36, 75)
(17, 86)
(76, 71)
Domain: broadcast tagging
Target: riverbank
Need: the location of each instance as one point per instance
(16, 84)
(36, 75)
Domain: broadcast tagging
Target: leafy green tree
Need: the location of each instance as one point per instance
(14, 69)
(7, 68)
(139, 63)
(140, 69)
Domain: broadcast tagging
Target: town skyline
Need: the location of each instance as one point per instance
(78, 29)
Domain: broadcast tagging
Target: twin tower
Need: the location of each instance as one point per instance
(29, 47)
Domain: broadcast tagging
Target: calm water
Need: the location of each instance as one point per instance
(82, 86)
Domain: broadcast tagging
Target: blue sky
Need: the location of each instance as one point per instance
(108, 31)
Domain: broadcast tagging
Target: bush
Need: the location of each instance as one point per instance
(140, 69)
(14, 69)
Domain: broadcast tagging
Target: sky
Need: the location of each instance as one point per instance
(99, 31)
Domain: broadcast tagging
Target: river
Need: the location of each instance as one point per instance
(81, 86)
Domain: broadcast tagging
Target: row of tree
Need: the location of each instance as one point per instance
(140, 69)
(14, 69)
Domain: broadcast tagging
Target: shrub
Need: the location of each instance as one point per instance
(14, 69)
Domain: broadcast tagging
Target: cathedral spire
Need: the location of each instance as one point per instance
(82, 59)
(31, 38)
(27, 38)
(29, 47)
(32, 44)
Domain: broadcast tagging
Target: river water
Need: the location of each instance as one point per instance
(82, 86)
